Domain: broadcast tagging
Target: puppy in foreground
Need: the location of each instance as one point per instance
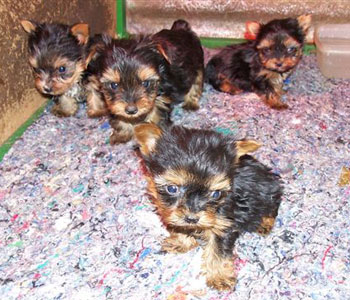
(140, 82)
(57, 58)
(262, 65)
(208, 191)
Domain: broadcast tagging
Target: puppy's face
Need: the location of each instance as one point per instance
(279, 52)
(129, 88)
(280, 42)
(191, 198)
(56, 55)
(191, 173)
(55, 74)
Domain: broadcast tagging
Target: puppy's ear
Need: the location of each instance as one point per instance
(252, 30)
(81, 32)
(147, 136)
(304, 22)
(163, 53)
(246, 146)
(94, 51)
(28, 26)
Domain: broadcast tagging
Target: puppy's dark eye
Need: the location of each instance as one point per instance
(113, 85)
(291, 50)
(172, 189)
(62, 69)
(266, 51)
(146, 83)
(216, 194)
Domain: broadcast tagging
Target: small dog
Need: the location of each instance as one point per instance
(57, 57)
(261, 65)
(208, 191)
(141, 81)
(96, 105)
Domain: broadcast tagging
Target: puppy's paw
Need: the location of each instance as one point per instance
(179, 243)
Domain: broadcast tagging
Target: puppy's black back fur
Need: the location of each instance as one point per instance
(256, 193)
(235, 63)
(52, 39)
(185, 55)
(202, 152)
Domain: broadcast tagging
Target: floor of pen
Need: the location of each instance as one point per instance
(76, 222)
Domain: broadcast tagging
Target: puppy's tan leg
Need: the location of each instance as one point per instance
(191, 100)
(218, 269)
(228, 87)
(179, 243)
(122, 132)
(266, 225)
(65, 107)
(274, 101)
(95, 105)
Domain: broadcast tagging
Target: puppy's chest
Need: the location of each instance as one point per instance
(77, 92)
(276, 79)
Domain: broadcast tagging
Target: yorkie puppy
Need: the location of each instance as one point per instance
(208, 191)
(262, 65)
(57, 57)
(141, 81)
(96, 105)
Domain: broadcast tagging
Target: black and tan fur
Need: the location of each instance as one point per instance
(57, 58)
(261, 65)
(208, 191)
(141, 80)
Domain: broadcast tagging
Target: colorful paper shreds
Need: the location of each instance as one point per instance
(76, 221)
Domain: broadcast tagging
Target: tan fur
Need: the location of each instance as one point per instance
(28, 26)
(60, 85)
(110, 75)
(117, 108)
(122, 133)
(266, 225)
(95, 104)
(219, 271)
(163, 102)
(176, 177)
(147, 136)
(162, 52)
(33, 61)
(144, 105)
(154, 116)
(304, 22)
(246, 146)
(81, 32)
(191, 99)
(253, 27)
(265, 43)
(179, 243)
(65, 107)
(227, 87)
(219, 182)
(146, 73)
(291, 42)
(274, 99)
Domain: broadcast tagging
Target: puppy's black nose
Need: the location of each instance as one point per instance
(131, 109)
(191, 220)
(47, 89)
